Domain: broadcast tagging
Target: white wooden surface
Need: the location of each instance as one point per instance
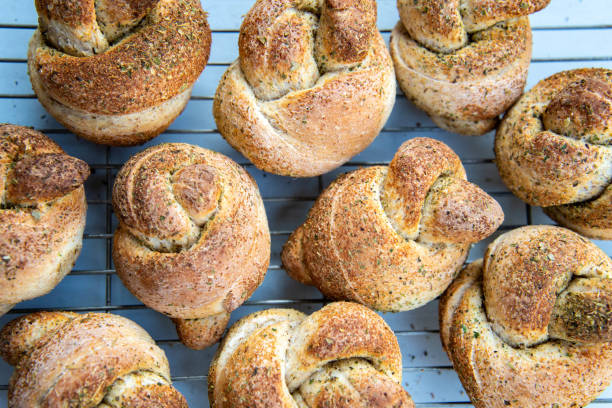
(568, 34)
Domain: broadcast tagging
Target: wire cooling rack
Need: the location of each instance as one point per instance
(568, 34)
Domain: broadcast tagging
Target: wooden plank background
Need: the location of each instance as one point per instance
(568, 34)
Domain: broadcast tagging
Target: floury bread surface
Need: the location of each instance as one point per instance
(343, 355)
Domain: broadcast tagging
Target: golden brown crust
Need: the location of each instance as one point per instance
(59, 368)
(444, 26)
(466, 89)
(42, 216)
(116, 59)
(198, 259)
(197, 334)
(73, 13)
(45, 177)
(157, 62)
(278, 357)
(156, 396)
(372, 236)
(306, 95)
(568, 173)
(551, 371)
(20, 336)
(526, 269)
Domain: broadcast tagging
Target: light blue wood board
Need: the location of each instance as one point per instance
(568, 34)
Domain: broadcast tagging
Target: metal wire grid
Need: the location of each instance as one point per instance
(109, 170)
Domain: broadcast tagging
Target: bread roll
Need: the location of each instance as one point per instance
(463, 62)
(117, 72)
(343, 355)
(313, 85)
(554, 149)
(93, 360)
(530, 325)
(42, 214)
(193, 239)
(393, 238)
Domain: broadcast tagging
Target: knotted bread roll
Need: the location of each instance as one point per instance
(531, 324)
(343, 355)
(193, 239)
(313, 85)
(554, 149)
(42, 214)
(117, 72)
(93, 360)
(463, 62)
(393, 238)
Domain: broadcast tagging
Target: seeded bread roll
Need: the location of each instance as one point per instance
(42, 214)
(463, 62)
(530, 325)
(193, 239)
(93, 360)
(393, 238)
(117, 72)
(554, 149)
(313, 85)
(343, 355)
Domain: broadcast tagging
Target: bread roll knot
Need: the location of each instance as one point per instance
(42, 213)
(312, 87)
(55, 365)
(463, 62)
(393, 238)
(288, 45)
(86, 28)
(546, 282)
(117, 72)
(426, 196)
(167, 202)
(341, 355)
(554, 150)
(193, 240)
(582, 110)
(531, 323)
(445, 26)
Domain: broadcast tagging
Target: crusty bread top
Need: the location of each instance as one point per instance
(66, 359)
(425, 192)
(42, 212)
(163, 55)
(34, 168)
(496, 374)
(490, 52)
(444, 26)
(278, 357)
(541, 281)
(393, 238)
(547, 168)
(283, 51)
(193, 238)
